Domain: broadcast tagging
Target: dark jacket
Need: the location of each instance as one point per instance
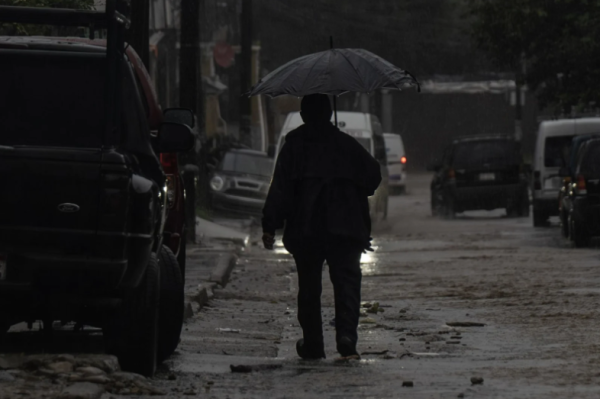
(320, 188)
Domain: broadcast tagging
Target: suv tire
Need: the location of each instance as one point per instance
(577, 232)
(171, 304)
(564, 223)
(181, 256)
(449, 208)
(133, 334)
(540, 219)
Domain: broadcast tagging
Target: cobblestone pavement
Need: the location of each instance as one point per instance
(482, 306)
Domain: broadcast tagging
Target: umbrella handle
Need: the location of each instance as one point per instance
(335, 109)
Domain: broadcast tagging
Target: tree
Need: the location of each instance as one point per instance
(18, 29)
(556, 42)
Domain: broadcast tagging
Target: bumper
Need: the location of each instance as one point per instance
(397, 180)
(243, 205)
(487, 197)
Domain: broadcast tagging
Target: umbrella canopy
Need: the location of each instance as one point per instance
(334, 72)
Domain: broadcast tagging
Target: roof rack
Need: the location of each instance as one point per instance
(115, 24)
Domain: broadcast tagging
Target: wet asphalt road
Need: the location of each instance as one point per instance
(537, 297)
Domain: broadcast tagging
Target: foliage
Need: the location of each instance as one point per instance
(556, 42)
(18, 29)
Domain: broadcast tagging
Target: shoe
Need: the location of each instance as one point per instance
(346, 347)
(309, 353)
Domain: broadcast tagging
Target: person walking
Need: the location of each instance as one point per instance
(319, 193)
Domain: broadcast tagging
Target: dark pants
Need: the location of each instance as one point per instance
(343, 259)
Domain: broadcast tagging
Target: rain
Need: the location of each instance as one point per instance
(259, 198)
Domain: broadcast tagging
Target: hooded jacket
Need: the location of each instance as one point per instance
(323, 178)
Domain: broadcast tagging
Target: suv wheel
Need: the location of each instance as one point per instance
(564, 223)
(577, 232)
(524, 204)
(133, 334)
(181, 256)
(171, 304)
(449, 208)
(540, 219)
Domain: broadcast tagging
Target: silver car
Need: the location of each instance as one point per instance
(240, 182)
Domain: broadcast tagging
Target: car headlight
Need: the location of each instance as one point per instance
(217, 183)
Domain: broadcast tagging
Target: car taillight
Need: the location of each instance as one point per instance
(169, 163)
(451, 174)
(580, 185)
(403, 160)
(537, 182)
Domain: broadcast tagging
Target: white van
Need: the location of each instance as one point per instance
(396, 161)
(366, 129)
(551, 153)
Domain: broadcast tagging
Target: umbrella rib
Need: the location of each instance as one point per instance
(355, 69)
(309, 72)
(376, 67)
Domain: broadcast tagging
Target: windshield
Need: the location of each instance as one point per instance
(247, 164)
(557, 150)
(51, 101)
(488, 153)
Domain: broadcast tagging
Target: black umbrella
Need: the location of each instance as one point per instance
(334, 72)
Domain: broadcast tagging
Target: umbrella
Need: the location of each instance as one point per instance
(334, 72)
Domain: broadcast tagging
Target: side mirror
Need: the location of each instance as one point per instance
(175, 137)
(271, 151)
(564, 172)
(179, 115)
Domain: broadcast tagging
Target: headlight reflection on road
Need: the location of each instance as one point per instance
(368, 262)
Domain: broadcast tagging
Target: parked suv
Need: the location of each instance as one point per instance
(81, 231)
(480, 172)
(581, 203)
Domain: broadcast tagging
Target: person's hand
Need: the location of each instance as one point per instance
(268, 240)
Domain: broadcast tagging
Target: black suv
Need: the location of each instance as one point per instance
(581, 201)
(480, 172)
(84, 206)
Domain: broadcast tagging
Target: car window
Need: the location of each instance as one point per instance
(557, 150)
(57, 101)
(247, 164)
(366, 143)
(493, 153)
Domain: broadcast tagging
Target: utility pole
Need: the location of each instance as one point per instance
(246, 72)
(139, 32)
(189, 97)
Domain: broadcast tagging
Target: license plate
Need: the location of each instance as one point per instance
(487, 176)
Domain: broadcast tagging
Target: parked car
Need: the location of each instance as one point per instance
(581, 203)
(240, 182)
(366, 129)
(552, 149)
(568, 177)
(480, 173)
(396, 161)
(174, 237)
(81, 235)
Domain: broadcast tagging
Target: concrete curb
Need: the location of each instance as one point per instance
(195, 300)
(222, 271)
